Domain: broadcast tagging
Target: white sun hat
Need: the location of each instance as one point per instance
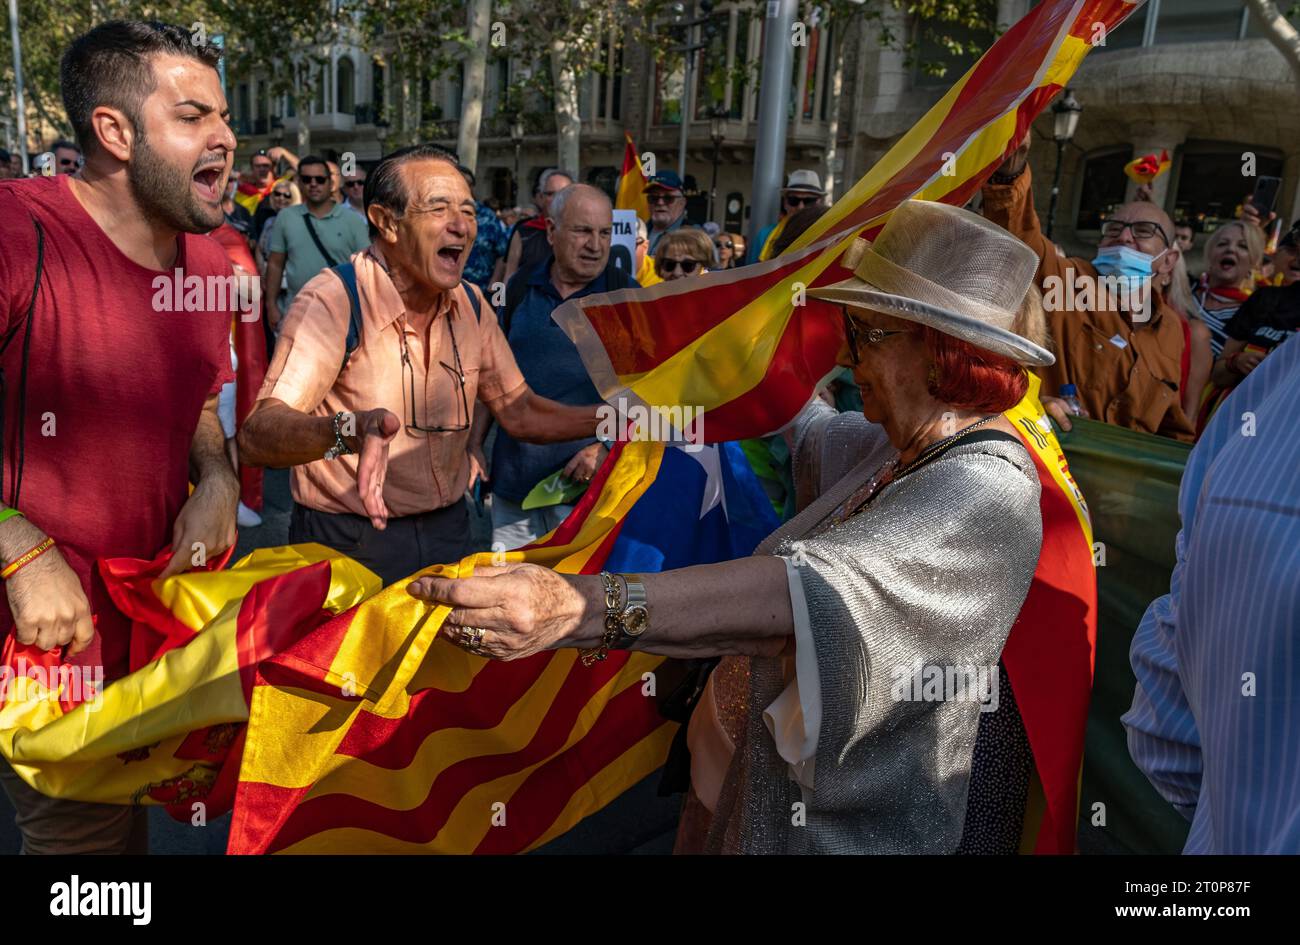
(948, 268)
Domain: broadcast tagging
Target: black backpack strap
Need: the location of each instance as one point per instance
(473, 300)
(347, 274)
(516, 289)
(311, 231)
(21, 452)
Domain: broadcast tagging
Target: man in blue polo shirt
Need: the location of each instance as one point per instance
(578, 229)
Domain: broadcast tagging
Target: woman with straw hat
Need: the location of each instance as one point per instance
(865, 713)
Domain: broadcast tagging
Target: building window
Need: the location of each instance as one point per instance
(934, 63)
(1104, 186)
(1197, 21)
(344, 95)
(1210, 182)
(670, 80)
(1130, 32)
(322, 88)
(712, 89)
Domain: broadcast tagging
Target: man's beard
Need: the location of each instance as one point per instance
(165, 195)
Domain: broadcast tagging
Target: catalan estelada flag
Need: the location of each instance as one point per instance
(746, 346)
(631, 183)
(372, 736)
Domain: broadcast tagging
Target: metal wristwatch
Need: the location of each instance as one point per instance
(635, 618)
(340, 447)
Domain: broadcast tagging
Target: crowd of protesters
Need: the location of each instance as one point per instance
(413, 355)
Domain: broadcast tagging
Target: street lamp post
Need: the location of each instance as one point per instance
(1065, 112)
(715, 132)
(517, 139)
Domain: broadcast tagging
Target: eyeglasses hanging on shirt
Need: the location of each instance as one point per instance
(412, 422)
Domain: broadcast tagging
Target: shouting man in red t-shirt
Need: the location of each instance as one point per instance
(111, 373)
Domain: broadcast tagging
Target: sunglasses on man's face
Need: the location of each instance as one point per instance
(313, 178)
(354, 183)
(261, 166)
(809, 201)
(665, 199)
(687, 266)
(67, 162)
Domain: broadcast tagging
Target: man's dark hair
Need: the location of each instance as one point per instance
(313, 159)
(110, 66)
(384, 187)
(65, 144)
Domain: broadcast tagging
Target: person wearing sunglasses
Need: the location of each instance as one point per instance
(315, 235)
(372, 406)
(667, 202)
(67, 157)
(354, 190)
(682, 253)
(803, 188)
(1123, 351)
(283, 195)
(730, 248)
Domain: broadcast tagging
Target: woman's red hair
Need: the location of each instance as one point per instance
(970, 378)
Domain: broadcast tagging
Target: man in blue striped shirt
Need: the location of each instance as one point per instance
(1215, 721)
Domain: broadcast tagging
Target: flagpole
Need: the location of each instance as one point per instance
(773, 108)
(18, 84)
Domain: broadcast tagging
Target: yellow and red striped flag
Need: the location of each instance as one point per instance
(745, 347)
(370, 736)
(631, 183)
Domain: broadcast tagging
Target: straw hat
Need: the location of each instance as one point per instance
(804, 181)
(948, 268)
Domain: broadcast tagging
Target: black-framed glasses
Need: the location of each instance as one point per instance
(1142, 229)
(408, 406)
(354, 183)
(792, 201)
(314, 178)
(859, 335)
(687, 266)
(281, 194)
(661, 198)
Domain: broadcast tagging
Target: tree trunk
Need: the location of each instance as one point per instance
(471, 100)
(1280, 32)
(833, 107)
(304, 93)
(568, 124)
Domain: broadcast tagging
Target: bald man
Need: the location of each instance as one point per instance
(578, 228)
(1123, 352)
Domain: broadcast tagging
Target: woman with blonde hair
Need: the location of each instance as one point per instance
(682, 253)
(1233, 253)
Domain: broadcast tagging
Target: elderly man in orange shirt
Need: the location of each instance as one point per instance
(370, 398)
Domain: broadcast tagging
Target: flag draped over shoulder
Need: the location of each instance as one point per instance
(746, 346)
(1051, 651)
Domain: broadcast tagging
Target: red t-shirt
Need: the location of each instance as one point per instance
(114, 390)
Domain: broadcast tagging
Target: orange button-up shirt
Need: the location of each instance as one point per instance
(426, 471)
(1127, 373)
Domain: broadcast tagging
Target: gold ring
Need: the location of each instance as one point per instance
(471, 640)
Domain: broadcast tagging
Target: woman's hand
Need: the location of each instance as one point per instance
(524, 608)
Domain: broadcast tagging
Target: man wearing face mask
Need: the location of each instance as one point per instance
(1124, 359)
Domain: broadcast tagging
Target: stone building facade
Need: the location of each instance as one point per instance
(1194, 77)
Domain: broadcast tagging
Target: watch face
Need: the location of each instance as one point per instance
(635, 620)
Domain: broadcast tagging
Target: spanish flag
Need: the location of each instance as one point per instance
(1145, 169)
(631, 184)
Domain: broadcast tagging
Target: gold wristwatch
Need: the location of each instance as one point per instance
(625, 619)
(635, 618)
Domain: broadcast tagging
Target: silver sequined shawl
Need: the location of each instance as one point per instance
(935, 570)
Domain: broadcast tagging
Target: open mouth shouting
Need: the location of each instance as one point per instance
(449, 257)
(207, 183)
